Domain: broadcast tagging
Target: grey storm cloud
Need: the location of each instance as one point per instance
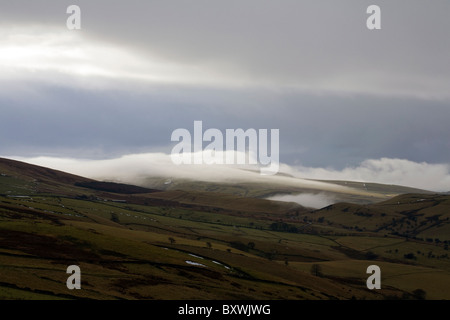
(315, 131)
(137, 70)
(316, 45)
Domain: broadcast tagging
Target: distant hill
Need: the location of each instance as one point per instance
(27, 179)
(389, 189)
(353, 192)
(422, 216)
(37, 173)
(19, 178)
(114, 187)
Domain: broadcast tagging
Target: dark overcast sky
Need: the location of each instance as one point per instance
(137, 70)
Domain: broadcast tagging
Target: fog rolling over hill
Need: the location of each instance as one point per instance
(215, 240)
(158, 171)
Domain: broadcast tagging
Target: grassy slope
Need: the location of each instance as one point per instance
(139, 249)
(368, 192)
(418, 216)
(119, 261)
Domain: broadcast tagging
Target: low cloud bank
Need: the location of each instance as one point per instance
(433, 177)
(310, 200)
(137, 167)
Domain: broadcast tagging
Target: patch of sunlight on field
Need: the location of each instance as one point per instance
(436, 283)
(401, 276)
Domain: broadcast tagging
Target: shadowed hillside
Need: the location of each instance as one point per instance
(210, 245)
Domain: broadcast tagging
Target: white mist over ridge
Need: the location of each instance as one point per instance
(423, 175)
(136, 168)
(310, 200)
